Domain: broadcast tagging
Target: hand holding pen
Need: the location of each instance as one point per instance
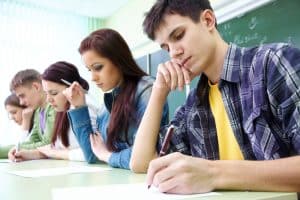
(74, 93)
(17, 150)
(166, 143)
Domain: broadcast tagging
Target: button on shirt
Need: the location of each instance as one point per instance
(261, 88)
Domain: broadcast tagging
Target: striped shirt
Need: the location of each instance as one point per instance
(260, 89)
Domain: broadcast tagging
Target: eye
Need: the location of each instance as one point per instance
(97, 67)
(53, 93)
(179, 35)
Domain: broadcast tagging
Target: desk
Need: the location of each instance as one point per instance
(14, 187)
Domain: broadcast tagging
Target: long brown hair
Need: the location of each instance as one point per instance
(55, 73)
(110, 44)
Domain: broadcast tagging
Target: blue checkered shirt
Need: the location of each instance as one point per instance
(260, 89)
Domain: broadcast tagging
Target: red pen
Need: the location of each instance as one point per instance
(166, 143)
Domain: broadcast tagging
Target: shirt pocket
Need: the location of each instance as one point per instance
(262, 137)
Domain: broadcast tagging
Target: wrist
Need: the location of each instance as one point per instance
(160, 93)
(215, 172)
(106, 156)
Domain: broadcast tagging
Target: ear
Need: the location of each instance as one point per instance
(37, 86)
(208, 19)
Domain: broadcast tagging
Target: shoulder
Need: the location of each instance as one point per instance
(144, 84)
(267, 50)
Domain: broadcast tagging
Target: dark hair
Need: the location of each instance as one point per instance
(56, 72)
(110, 44)
(189, 8)
(24, 77)
(13, 100)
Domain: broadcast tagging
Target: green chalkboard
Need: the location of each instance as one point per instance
(277, 21)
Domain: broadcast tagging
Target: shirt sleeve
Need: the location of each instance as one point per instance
(81, 125)
(37, 138)
(283, 86)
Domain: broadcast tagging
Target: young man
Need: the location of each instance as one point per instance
(240, 128)
(27, 85)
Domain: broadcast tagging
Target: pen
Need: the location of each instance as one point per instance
(187, 90)
(69, 84)
(17, 149)
(166, 143)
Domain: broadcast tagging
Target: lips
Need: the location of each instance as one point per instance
(185, 61)
(99, 85)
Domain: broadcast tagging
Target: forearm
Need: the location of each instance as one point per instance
(145, 142)
(61, 154)
(273, 175)
(25, 125)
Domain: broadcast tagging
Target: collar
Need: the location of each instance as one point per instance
(110, 97)
(231, 66)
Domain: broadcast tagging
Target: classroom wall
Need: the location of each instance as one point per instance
(128, 21)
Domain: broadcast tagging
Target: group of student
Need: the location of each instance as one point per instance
(239, 129)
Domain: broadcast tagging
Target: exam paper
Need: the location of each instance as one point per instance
(33, 173)
(5, 161)
(118, 191)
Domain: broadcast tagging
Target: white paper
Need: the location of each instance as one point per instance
(5, 161)
(33, 173)
(118, 191)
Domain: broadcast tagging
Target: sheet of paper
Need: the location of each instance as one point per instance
(57, 171)
(5, 161)
(118, 191)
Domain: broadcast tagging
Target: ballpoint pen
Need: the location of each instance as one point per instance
(166, 143)
(17, 149)
(69, 84)
(187, 90)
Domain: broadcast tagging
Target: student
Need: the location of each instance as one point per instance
(64, 144)
(22, 115)
(127, 90)
(27, 85)
(239, 129)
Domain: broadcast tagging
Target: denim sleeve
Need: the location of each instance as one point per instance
(81, 125)
(120, 159)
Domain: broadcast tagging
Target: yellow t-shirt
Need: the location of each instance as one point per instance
(228, 146)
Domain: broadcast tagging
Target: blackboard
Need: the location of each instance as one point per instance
(277, 21)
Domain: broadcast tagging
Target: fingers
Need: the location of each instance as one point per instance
(159, 169)
(11, 154)
(75, 94)
(175, 76)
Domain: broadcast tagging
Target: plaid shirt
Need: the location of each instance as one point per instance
(260, 88)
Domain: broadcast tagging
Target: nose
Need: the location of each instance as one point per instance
(175, 51)
(94, 76)
(49, 99)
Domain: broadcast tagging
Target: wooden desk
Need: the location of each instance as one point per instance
(14, 187)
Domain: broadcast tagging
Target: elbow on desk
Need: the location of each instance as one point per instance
(138, 167)
(90, 159)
